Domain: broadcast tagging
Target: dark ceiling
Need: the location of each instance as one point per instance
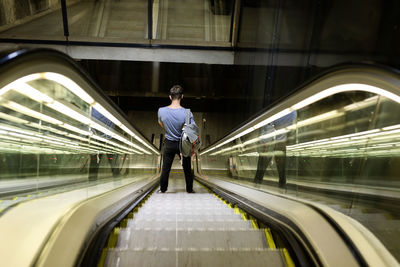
(145, 85)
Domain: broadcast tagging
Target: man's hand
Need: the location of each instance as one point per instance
(161, 124)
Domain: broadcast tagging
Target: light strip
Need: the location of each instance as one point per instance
(106, 114)
(75, 129)
(69, 84)
(115, 144)
(7, 117)
(29, 112)
(29, 91)
(143, 142)
(24, 79)
(23, 136)
(345, 88)
(272, 118)
(32, 93)
(77, 90)
(329, 115)
(57, 106)
(312, 99)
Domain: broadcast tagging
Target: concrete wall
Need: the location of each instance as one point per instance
(14, 12)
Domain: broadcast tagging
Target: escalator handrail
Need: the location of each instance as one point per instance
(287, 100)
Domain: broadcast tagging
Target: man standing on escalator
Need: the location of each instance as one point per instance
(172, 118)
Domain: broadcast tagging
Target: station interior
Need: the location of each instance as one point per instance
(297, 106)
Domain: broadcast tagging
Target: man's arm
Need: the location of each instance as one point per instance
(159, 119)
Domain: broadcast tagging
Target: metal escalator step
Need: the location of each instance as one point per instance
(188, 217)
(224, 211)
(191, 239)
(217, 225)
(198, 208)
(185, 203)
(158, 208)
(236, 258)
(173, 198)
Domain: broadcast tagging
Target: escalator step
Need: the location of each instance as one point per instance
(193, 239)
(188, 217)
(200, 224)
(193, 211)
(236, 258)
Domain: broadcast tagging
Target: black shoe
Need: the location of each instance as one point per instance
(191, 192)
(160, 192)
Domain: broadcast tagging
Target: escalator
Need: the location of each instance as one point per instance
(84, 182)
(181, 229)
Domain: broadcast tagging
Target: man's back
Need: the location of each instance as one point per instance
(173, 120)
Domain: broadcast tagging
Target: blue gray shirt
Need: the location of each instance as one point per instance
(173, 120)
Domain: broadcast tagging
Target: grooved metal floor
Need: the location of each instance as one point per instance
(181, 229)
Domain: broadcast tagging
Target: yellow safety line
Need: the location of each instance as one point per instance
(112, 240)
(288, 259)
(124, 223)
(102, 257)
(236, 210)
(254, 224)
(270, 239)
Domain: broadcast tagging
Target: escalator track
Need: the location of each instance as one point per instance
(181, 229)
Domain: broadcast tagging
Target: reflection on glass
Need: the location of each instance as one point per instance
(339, 147)
(194, 20)
(127, 21)
(87, 20)
(272, 144)
(53, 134)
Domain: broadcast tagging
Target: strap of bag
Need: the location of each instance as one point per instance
(187, 116)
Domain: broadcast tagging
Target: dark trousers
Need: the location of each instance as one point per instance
(171, 148)
(263, 162)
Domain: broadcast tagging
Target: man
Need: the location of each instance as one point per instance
(172, 118)
(275, 145)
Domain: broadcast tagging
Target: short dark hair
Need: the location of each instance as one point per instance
(176, 92)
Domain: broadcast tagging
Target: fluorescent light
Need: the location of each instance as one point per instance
(319, 118)
(68, 112)
(14, 129)
(29, 112)
(24, 136)
(24, 79)
(29, 91)
(75, 129)
(252, 154)
(272, 118)
(113, 143)
(345, 88)
(126, 129)
(32, 93)
(106, 114)
(397, 126)
(109, 116)
(70, 85)
(7, 117)
(362, 104)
